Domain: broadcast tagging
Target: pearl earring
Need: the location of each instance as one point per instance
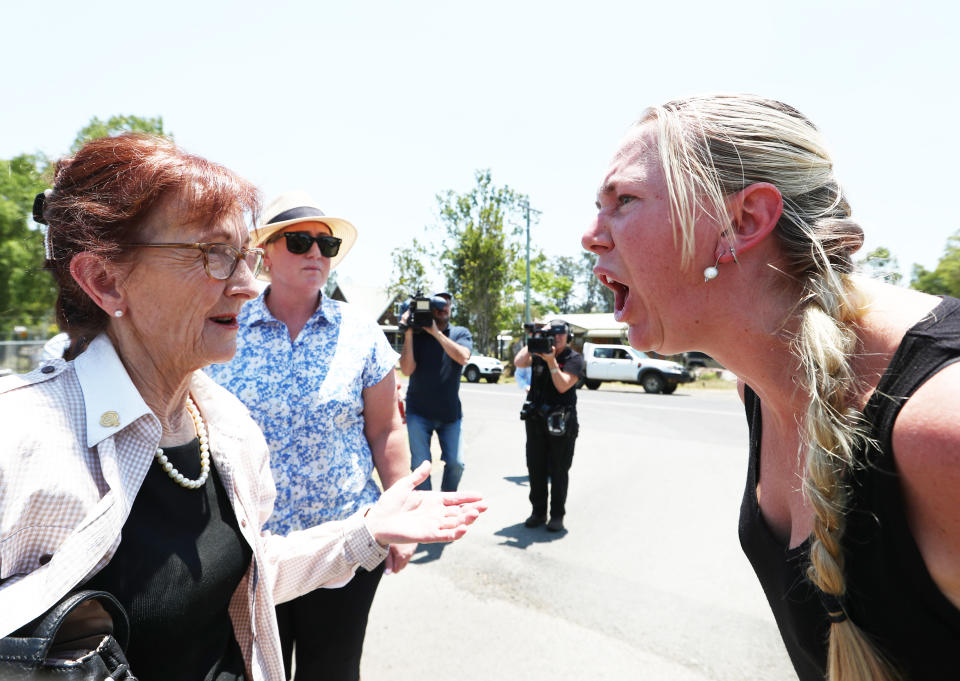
(118, 313)
(712, 271)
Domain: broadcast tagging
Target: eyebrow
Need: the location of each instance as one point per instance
(610, 185)
(222, 236)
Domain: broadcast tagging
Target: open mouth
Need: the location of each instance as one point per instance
(225, 320)
(620, 291)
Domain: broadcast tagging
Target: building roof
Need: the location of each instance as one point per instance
(373, 301)
(592, 325)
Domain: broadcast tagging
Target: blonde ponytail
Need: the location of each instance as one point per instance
(833, 434)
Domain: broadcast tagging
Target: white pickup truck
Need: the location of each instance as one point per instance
(623, 363)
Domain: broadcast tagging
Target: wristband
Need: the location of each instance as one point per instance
(555, 370)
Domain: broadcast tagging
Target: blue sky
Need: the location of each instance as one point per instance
(375, 107)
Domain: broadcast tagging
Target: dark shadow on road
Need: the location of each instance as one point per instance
(520, 536)
(521, 480)
(427, 553)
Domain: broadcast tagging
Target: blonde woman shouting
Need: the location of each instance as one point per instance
(722, 228)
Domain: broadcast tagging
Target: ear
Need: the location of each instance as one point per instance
(98, 280)
(754, 213)
(267, 250)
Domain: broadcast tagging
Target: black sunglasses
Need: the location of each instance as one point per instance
(299, 243)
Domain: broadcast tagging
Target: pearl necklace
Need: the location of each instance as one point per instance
(201, 429)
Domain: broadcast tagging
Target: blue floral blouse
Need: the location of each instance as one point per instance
(306, 397)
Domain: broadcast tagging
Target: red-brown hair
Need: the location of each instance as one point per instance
(104, 194)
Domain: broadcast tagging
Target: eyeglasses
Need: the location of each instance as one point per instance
(299, 243)
(219, 260)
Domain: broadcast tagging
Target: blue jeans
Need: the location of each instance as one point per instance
(419, 431)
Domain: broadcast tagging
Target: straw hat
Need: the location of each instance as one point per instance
(297, 206)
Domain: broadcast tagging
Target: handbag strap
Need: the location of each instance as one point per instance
(34, 645)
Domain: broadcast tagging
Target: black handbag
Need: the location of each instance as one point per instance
(87, 646)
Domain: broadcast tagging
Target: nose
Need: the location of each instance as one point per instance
(314, 250)
(596, 239)
(242, 283)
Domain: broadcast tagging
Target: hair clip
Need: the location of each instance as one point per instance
(39, 203)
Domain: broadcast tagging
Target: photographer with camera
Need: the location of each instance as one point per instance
(550, 414)
(433, 355)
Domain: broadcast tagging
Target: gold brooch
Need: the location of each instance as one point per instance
(110, 419)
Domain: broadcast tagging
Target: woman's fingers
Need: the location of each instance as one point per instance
(402, 554)
(406, 515)
(455, 533)
(451, 498)
(388, 564)
(459, 515)
(456, 502)
(419, 474)
(398, 557)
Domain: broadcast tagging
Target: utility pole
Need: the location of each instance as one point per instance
(526, 315)
(526, 294)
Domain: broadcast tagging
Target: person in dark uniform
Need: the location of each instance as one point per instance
(433, 358)
(550, 414)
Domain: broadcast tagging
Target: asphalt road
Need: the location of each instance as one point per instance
(648, 581)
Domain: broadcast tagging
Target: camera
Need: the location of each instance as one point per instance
(528, 410)
(421, 311)
(539, 340)
(420, 315)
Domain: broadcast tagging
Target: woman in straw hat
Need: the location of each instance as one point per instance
(721, 227)
(125, 468)
(318, 377)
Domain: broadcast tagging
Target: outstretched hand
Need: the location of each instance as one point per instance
(404, 515)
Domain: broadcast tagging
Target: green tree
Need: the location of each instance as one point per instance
(331, 284)
(550, 290)
(478, 255)
(116, 125)
(944, 279)
(597, 297)
(27, 293)
(409, 274)
(563, 270)
(880, 264)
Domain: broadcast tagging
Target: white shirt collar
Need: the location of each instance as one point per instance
(110, 399)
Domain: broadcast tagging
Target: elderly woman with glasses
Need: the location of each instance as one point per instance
(123, 468)
(318, 377)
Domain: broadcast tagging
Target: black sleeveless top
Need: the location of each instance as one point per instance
(890, 594)
(181, 557)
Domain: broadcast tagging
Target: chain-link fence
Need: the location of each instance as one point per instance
(19, 357)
